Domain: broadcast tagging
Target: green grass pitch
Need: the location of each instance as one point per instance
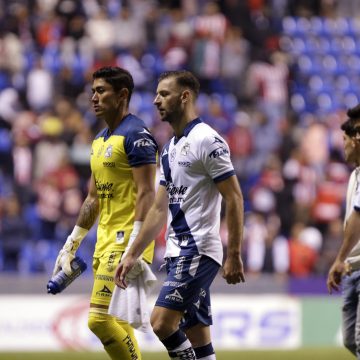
(301, 354)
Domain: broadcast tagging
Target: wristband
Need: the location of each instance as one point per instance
(136, 228)
(78, 233)
(74, 239)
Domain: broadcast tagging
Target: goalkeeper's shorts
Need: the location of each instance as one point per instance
(104, 271)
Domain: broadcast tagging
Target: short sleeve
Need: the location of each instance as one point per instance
(140, 146)
(356, 202)
(215, 155)
(164, 165)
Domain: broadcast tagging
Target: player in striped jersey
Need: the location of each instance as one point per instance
(196, 173)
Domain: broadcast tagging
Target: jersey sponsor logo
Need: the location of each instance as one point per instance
(175, 284)
(185, 149)
(186, 164)
(143, 142)
(104, 278)
(175, 296)
(109, 163)
(105, 196)
(172, 155)
(175, 190)
(104, 292)
(179, 268)
(127, 340)
(176, 193)
(218, 152)
(165, 152)
(103, 186)
(108, 151)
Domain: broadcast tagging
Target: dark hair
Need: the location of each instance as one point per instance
(184, 78)
(351, 126)
(117, 77)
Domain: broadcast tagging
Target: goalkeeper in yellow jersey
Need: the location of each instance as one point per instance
(123, 167)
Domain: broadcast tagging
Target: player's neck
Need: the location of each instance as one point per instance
(180, 126)
(114, 121)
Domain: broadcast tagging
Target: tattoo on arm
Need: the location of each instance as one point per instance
(88, 213)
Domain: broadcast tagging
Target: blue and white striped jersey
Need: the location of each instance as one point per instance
(190, 166)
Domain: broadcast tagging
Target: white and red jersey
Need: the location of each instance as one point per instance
(190, 168)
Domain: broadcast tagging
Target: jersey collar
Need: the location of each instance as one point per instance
(188, 128)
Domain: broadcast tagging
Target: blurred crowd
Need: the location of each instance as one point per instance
(290, 164)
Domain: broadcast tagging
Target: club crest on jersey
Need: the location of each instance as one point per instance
(185, 149)
(108, 151)
(172, 155)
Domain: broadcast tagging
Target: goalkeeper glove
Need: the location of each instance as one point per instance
(138, 267)
(67, 253)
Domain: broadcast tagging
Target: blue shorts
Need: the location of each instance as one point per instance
(187, 288)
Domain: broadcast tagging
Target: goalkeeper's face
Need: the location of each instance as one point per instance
(169, 100)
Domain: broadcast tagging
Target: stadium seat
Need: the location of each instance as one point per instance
(348, 45)
(289, 25)
(316, 83)
(297, 102)
(354, 26)
(317, 25)
(330, 65)
(342, 83)
(303, 25)
(339, 26)
(324, 102)
(350, 99)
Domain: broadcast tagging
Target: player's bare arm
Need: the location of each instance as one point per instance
(144, 177)
(233, 270)
(351, 237)
(90, 208)
(153, 223)
(86, 219)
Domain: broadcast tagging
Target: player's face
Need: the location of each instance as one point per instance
(168, 100)
(104, 99)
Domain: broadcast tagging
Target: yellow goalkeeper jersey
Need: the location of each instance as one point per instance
(112, 157)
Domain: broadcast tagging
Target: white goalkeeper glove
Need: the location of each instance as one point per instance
(138, 267)
(67, 253)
